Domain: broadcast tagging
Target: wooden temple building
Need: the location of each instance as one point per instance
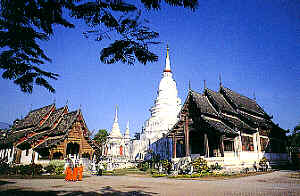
(45, 134)
(227, 128)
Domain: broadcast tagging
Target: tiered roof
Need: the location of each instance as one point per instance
(44, 127)
(226, 111)
(33, 118)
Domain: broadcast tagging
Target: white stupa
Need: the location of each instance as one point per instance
(115, 130)
(166, 106)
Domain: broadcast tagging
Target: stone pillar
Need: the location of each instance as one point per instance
(187, 135)
(174, 146)
(206, 147)
(222, 145)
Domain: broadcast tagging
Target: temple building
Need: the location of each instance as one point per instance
(227, 128)
(48, 133)
(163, 115)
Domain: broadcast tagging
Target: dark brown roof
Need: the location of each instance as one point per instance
(219, 126)
(242, 102)
(255, 120)
(237, 123)
(219, 102)
(203, 104)
(51, 142)
(33, 118)
(65, 123)
(52, 118)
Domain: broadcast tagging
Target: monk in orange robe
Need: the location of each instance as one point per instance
(80, 171)
(75, 173)
(68, 173)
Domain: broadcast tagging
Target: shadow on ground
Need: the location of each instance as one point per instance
(106, 191)
(5, 182)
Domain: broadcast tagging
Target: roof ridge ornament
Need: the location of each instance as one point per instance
(220, 80)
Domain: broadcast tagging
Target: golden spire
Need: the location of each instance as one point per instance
(167, 67)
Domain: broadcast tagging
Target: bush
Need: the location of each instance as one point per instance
(263, 163)
(4, 168)
(144, 166)
(216, 166)
(55, 167)
(200, 165)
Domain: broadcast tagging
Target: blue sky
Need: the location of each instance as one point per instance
(254, 45)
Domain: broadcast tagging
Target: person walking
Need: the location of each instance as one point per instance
(80, 172)
(68, 173)
(75, 173)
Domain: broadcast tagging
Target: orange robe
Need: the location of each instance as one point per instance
(80, 171)
(75, 173)
(68, 173)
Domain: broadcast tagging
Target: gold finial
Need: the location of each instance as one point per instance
(168, 50)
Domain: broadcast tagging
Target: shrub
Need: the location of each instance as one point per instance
(144, 166)
(216, 166)
(49, 169)
(200, 165)
(263, 163)
(4, 167)
(55, 167)
(165, 164)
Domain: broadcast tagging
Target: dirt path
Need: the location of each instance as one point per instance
(276, 183)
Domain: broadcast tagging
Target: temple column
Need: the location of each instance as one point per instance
(33, 157)
(186, 131)
(65, 148)
(174, 146)
(206, 147)
(222, 145)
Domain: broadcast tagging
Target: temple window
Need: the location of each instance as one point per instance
(264, 143)
(228, 145)
(247, 143)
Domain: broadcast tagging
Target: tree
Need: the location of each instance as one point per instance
(25, 23)
(294, 138)
(101, 137)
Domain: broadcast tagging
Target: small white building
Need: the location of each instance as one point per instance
(117, 152)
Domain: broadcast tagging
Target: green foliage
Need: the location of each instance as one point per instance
(144, 166)
(24, 24)
(215, 166)
(4, 168)
(200, 165)
(264, 163)
(165, 164)
(49, 169)
(294, 138)
(55, 167)
(157, 175)
(25, 170)
(101, 136)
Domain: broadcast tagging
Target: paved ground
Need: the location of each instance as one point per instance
(276, 183)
